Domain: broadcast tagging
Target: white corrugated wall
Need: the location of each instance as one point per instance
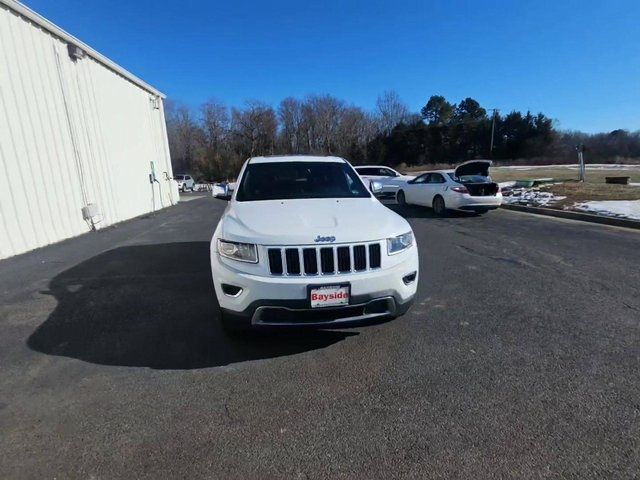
(71, 133)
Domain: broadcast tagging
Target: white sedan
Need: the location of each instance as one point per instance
(468, 188)
(389, 179)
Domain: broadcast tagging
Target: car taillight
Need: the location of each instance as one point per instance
(460, 189)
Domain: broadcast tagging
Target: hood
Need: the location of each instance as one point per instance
(473, 167)
(400, 178)
(301, 221)
(405, 178)
(393, 181)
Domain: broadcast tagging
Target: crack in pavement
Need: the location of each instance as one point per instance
(513, 261)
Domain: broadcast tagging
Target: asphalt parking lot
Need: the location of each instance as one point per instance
(520, 359)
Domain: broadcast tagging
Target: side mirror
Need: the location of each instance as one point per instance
(375, 187)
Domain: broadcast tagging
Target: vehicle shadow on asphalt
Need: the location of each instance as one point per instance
(153, 306)
(414, 211)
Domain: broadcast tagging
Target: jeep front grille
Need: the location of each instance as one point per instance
(275, 261)
(292, 256)
(310, 263)
(324, 260)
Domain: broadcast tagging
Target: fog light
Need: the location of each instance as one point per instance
(231, 290)
(407, 279)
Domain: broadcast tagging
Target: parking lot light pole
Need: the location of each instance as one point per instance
(580, 150)
(493, 129)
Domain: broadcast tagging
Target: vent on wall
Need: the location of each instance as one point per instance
(75, 52)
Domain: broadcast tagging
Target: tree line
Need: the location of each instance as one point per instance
(213, 141)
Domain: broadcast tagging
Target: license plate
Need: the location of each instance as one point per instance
(329, 296)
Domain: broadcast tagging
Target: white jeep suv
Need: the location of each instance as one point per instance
(304, 243)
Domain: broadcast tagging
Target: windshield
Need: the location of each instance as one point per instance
(376, 172)
(289, 180)
(179, 177)
(470, 178)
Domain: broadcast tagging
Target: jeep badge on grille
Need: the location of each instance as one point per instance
(322, 239)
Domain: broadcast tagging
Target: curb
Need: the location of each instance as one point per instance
(584, 217)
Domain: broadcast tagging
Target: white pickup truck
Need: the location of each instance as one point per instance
(304, 243)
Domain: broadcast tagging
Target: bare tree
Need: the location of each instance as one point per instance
(322, 115)
(392, 111)
(215, 120)
(291, 121)
(356, 130)
(254, 128)
(185, 136)
(215, 123)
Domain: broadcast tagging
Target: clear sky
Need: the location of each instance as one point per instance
(576, 61)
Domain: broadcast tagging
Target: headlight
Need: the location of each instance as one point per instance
(399, 243)
(243, 252)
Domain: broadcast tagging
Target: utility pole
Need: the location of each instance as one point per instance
(493, 129)
(580, 150)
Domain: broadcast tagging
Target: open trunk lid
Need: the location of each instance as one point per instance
(473, 167)
(477, 168)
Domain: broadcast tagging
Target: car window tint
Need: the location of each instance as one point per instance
(422, 178)
(289, 180)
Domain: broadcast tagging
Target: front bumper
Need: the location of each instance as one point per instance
(292, 313)
(283, 300)
(386, 194)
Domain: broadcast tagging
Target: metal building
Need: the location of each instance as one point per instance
(79, 137)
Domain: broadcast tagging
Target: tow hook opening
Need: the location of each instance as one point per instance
(381, 306)
(408, 279)
(231, 290)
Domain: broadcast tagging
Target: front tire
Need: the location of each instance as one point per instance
(400, 198)
(439, 206)
(232, 326)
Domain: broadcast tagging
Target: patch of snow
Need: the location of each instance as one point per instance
(531, 196)
(506, 184)
(526, 167)
(574, 166)
(612, 208)
(612, 166)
